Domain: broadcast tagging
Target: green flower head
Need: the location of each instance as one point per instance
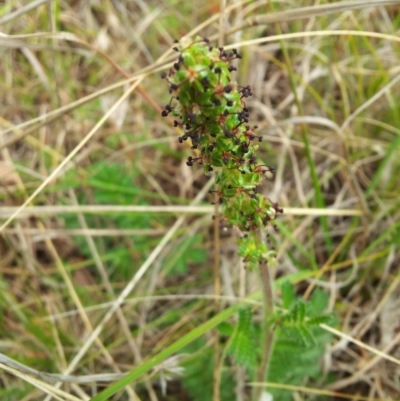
(211, 111)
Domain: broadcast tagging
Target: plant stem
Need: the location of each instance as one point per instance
(267, 330)
(217, 292)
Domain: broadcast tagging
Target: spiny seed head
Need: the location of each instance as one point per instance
(211, 108)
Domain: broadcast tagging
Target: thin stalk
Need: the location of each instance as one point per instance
(217, 292)
(267, 332)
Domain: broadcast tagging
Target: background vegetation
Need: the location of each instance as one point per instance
(109, 266)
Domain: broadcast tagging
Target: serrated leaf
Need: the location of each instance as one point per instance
(299, 344)
(317, 303)
(317, 320)
(242, 344)
(288, 294)
(198, 377)
(306, 336)
(225, 329)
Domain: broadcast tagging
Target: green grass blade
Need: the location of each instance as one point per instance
(319, 199)
(157, 359)
(382, 165)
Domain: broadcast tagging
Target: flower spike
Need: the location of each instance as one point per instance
(212, 110)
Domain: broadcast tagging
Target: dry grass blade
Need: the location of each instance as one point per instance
(22, 10)
(46, 388)
(298, 35)
(107, 236)
(317, 391)
(53, 378)
(7, 211)
(297, 14)
(131, 285)
(60, 167)
(39, 235)
(380, 354)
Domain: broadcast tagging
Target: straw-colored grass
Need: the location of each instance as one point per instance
(107, 245)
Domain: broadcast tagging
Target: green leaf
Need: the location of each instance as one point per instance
(189, 251)
(317, 303)
(14, 393)
(225, 328)
(288, 294)
(165, 353)
(199, 374)
(242, 345)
